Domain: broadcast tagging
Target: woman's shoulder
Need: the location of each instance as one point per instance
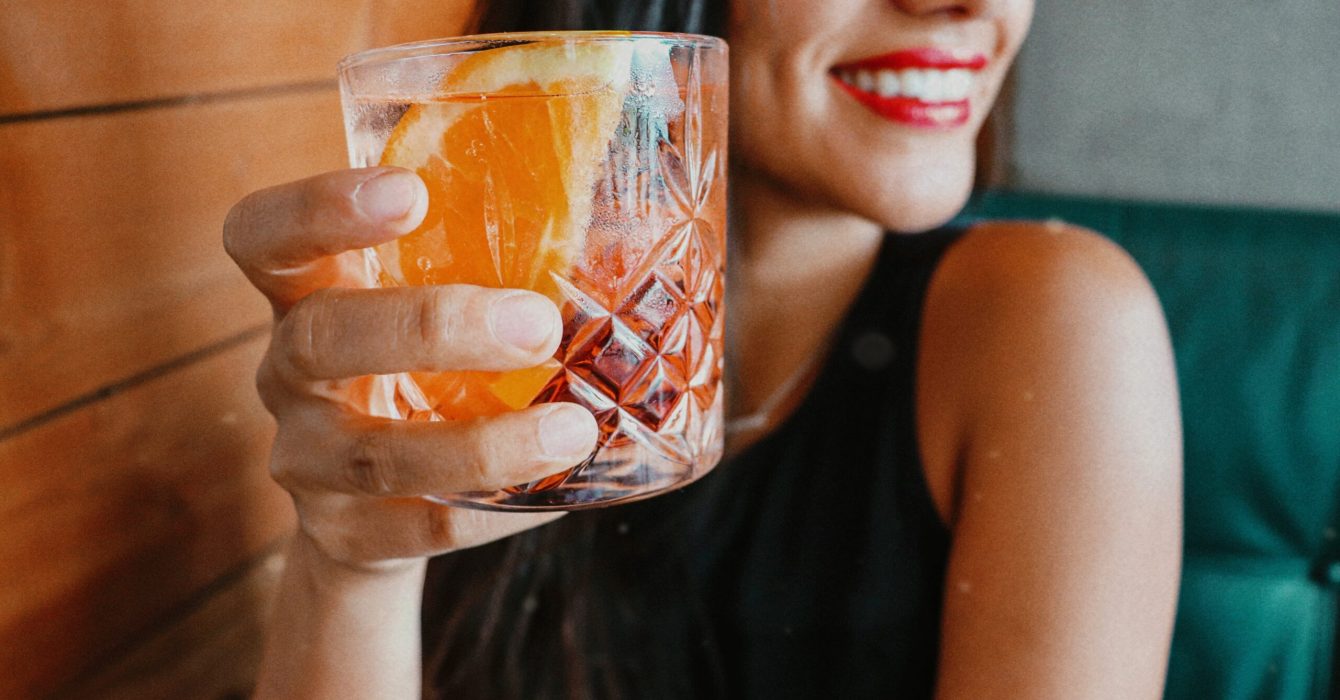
(1049, 288)
(1011, 290)
(1032, 331)
(1040, 261)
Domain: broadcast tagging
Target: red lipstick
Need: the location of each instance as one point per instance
(912, 111)
(924, 87)
(927, 57)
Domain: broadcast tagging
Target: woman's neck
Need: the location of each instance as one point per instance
(796, 266)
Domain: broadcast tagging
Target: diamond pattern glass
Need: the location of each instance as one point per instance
(641, 300)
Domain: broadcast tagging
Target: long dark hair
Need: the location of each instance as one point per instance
(543, 614)
(692, 16)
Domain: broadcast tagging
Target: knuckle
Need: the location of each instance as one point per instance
(233, 226)
(282, 473)
(268, 385)
(435, 318)
(272, 397)
(440, 524)
(284, 469)
(296, 336)
(323, 202)
(474, 452)
(308, 205)
(482, 453)
(369, 467)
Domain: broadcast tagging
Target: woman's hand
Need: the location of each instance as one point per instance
(356, 480)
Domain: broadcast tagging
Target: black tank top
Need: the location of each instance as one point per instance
(811, 565)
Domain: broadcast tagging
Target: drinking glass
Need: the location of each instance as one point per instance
(589, 167)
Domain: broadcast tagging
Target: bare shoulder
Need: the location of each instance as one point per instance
(1040, 290)
(1032, 328)
(1050, 263)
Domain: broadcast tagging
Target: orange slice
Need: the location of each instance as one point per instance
(511, 151)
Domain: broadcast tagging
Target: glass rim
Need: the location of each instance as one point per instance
(446, 46)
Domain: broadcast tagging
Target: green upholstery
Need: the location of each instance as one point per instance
(1253, 304)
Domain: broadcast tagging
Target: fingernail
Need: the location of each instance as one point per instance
(523, 319)
(387, 197)
(567, 432)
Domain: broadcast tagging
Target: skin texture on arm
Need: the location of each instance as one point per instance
(341, 632)
(1052, 442)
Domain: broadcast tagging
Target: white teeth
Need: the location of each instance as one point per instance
(914, 83)
(929, 85)
(886, 81)
(933, 89)
(958, 82)
(865, 81)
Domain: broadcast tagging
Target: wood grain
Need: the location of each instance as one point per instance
(113, 515)
(213, 651)
(111, 259)
(132, 445)
(58, 54)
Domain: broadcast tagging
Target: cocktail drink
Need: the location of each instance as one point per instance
(589, 167)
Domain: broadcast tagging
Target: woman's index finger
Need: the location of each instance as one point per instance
(286, 238)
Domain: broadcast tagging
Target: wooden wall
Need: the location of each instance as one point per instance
(138, 525)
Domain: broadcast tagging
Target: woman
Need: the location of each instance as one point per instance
(962, 476)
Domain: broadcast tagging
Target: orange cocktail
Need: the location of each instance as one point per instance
(589, 167)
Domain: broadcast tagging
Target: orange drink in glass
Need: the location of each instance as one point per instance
(589, 167)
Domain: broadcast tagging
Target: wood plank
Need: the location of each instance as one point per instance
(58, 54)
(214, 651)
(111, 259)
(113, 515)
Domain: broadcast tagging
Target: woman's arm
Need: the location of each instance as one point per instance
(1055, 413)
(337, 631)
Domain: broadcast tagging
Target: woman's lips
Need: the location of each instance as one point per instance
(925, 57)
(926, 87)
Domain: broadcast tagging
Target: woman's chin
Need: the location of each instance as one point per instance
(917, 204)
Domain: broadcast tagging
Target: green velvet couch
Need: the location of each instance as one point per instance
(1253, 304)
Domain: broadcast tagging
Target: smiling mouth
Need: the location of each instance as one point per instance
(925, 87)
